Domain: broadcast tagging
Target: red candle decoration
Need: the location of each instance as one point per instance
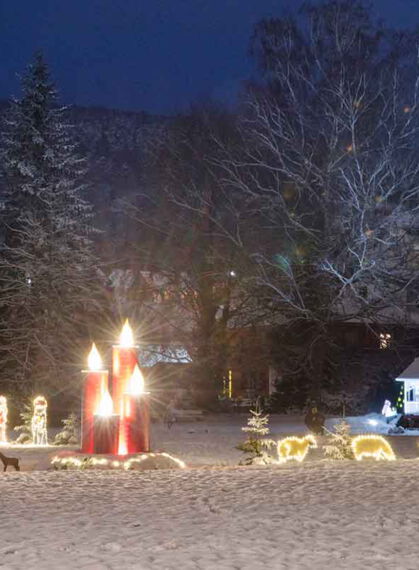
(136, 412)
(105, 426)
(95, 383)
(124, 359)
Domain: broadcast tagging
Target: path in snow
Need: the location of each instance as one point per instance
(312, 516)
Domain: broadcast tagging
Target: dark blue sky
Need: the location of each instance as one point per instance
(156, 55)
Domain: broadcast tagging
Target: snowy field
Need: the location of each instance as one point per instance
(213, 441)
(213, 515)
(311, 516)
(208, 442)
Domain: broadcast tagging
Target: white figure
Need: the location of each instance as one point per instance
(3, 419)
(39, 421)
(387, 410)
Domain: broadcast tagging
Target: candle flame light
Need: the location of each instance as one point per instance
(105, 407)
(126, 338)
(136, 382)
(94, 360)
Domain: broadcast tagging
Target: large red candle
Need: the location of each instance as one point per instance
(105, 426)
(136, 411)
(124, 359)
(96, 381)
(137, 423)
(106, 430)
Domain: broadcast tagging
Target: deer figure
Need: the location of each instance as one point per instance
(13, 461)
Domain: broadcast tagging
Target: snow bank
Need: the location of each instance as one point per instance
(136, 462)
(370, 423)
(312, 516)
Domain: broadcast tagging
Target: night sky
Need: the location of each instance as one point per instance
(154, 55)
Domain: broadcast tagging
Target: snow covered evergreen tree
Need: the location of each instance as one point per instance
(47, 266)
(69, 434)
(25, 428)
(256, 445)
(339, 442)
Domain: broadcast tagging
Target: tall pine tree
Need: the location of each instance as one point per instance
(48, 282)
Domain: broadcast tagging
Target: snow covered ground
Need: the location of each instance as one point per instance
(311, 516)
(214, 515)
(208, 442)
(213, 441)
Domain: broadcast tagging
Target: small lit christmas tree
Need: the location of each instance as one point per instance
(339, 442)
(256, 446)
(69, 433)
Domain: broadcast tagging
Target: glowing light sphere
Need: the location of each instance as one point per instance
(3, 419)
(374, 446)
(39, 421)
(295, 447)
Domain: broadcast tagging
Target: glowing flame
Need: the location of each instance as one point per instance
(136, 382)
(94, 360)
(105, 407)
(126, 338)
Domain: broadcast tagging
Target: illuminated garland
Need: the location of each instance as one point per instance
(374, 446)
(84, 461)
(295, 447)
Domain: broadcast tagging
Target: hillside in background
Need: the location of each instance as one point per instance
(113, 143)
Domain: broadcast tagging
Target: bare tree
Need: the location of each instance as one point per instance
(186, 221)
(328, 167)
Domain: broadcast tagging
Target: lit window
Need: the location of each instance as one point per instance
(385, 340)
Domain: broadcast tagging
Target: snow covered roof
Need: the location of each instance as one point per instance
(169, 354)
(411, 372)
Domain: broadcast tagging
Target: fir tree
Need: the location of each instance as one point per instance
(25, 428)
(69, 434)
(339, 442)
(256, 445)
(47, 265)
